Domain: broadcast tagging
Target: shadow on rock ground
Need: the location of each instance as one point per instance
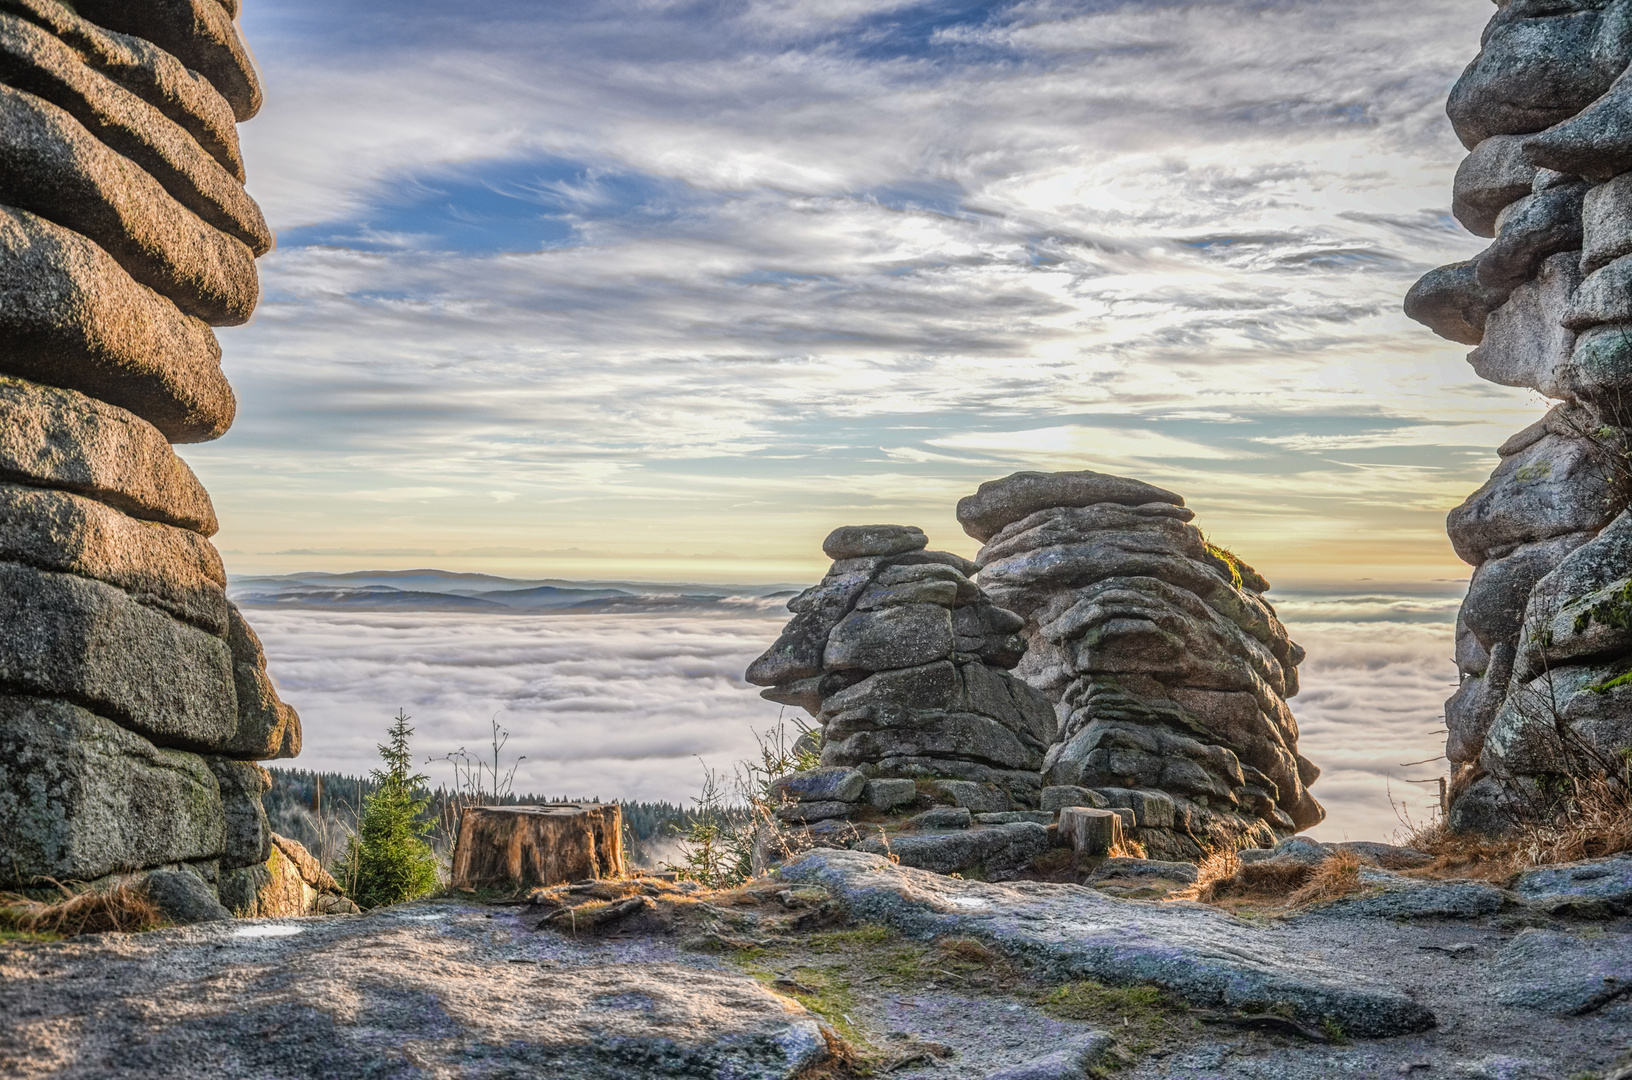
(842, 965)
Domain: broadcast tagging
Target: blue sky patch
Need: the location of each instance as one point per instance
(491, 206)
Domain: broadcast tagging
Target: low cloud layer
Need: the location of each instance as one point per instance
(619, 706)
(624, 706)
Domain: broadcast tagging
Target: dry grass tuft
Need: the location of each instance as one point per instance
(121, 908)
(967, 949)
(1337, 876)
(1271, 880)
(842, 1063)
(1593, 822)
(1274, 884)
(1220, 865)
(1127, 849)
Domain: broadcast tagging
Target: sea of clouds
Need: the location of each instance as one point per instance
(636, 705)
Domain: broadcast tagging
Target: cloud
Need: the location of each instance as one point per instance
(662, 269)
(612, 706)
(1373, 703)
(655, 289)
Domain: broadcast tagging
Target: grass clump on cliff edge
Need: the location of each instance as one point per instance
(388, 861)
(119, 908)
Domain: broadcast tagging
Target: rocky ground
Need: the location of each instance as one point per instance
(844, 964)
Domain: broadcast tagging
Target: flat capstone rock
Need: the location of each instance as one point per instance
(941, 817)
(997, 503)
(1070, 1062)
(1409, 898)
(1563, 974)
(1144, 868)
(183, 898)
(864, 541)
(1590, 886)
(989, 848)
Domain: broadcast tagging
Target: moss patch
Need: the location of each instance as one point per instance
(1614, 610)
(1229, 559)
(1623, 679)
(1141, 1017)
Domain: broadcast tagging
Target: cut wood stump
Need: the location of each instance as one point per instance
(1091, 831)
(526, 846)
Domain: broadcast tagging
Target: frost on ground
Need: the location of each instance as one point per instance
(842, 965)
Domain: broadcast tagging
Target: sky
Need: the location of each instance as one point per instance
(666, 291)
(669, 290)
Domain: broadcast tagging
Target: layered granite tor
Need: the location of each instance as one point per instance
(134, 699)
(904, 662)
(1168, 669)
(1543, 640)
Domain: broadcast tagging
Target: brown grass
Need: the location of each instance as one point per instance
(1337, 876)
(1219, 865)
(842, 1062)
(1594, 821)
(1274, 884)
(968, 950)
(120, 908)
(1127, 849)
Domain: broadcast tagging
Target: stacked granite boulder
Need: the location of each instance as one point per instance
(1169, 669)
(904, 662)
(136, 700)
(1543, 640)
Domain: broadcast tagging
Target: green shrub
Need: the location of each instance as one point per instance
(389, 860)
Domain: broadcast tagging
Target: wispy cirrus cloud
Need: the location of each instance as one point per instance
(666, 269)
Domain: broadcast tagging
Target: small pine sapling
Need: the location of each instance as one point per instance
(392, 861)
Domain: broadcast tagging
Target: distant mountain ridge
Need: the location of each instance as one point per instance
(445, 590)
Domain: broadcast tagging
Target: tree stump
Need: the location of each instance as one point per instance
(1091, 831)
(526, 846)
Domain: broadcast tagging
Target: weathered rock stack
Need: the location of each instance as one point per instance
(904, 662)
(1169, 669)
(1543, 639)
(135, 698)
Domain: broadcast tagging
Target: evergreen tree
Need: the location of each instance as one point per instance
(389, 856)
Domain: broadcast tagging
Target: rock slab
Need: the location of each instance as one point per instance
(1197, 953)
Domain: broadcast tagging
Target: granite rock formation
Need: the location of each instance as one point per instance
(904, 662)
(1169, 670)
(291, 882)
(1107, 658)
(134, 699)
(1542, 645)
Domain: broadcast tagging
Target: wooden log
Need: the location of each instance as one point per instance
(1091, 831)
(522, 847)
